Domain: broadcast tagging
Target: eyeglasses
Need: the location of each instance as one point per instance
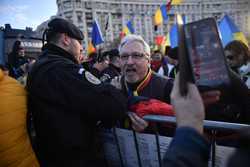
(134, 56)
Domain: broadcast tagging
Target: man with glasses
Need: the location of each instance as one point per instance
(138, 78)
(62, 98)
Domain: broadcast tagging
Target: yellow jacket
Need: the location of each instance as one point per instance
(15, 146)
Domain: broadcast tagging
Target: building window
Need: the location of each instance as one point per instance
(67, 4)
(78, 4)
(79, 18)
(87, 5)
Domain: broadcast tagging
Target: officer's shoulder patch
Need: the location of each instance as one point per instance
(91, 78)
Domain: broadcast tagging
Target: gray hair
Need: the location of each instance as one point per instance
(131, 38)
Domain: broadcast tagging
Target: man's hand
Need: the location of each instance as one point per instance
(116, 82)
(24, 67)
(138, 124)
(189, 109)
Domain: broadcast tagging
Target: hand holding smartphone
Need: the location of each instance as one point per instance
(201, 56)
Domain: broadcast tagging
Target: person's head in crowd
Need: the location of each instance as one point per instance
(17, 48)
(101, 60)
(91, 57)
(172, 56)
(21, 52)
(65, 35)
(5, 69)
(135, 58)
(156, 60)
(114, 57)
(88, 61)
(237, 54)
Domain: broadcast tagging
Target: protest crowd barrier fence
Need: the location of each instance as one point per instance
(127, 148)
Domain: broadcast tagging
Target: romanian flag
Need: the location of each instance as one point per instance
(91, 48)
(96, 38)
(229, 31)
(173, 2)
(128, 29)
(159, 40)
(173, 34)
(176, 2)
(161, 15)
(167, 41)
(96, 34)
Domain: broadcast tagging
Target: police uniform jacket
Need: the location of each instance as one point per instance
(67, 102)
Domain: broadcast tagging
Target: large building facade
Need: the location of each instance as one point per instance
(113, 15)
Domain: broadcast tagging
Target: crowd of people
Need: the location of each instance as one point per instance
(69, 98)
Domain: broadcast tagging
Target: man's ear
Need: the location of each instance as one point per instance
(66, 40)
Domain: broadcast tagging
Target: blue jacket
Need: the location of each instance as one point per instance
(187, 149)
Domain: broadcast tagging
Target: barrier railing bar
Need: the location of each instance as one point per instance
(213, 147)
(137, 149)
(214, 125)
(158, 145)
(118, 147)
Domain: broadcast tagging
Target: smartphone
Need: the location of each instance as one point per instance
(186, 74)
(205, 55)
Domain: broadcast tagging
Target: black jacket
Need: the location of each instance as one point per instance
(110, 72)
(157, 87)
(67, 103)
(234, 104)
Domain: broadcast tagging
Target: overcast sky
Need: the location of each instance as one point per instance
(26, 13)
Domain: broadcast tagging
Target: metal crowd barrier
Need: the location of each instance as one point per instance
(211, 125)
(118, 146)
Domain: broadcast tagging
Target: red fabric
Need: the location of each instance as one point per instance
(169, 5)
(122, 34)
(159, 39)
(155, 65)
(152, 106)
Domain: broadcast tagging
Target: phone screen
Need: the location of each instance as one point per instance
(206, 54)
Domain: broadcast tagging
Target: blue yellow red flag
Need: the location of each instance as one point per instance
(161, 15)
(176, 2)
(96, 34)
(167, 42)
(229, 31)
(91, 48)
(128, 29)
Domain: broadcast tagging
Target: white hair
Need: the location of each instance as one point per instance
(131, 38)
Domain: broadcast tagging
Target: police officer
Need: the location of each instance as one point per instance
(67, 101)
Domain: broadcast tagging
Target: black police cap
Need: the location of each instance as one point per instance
(63, 26)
